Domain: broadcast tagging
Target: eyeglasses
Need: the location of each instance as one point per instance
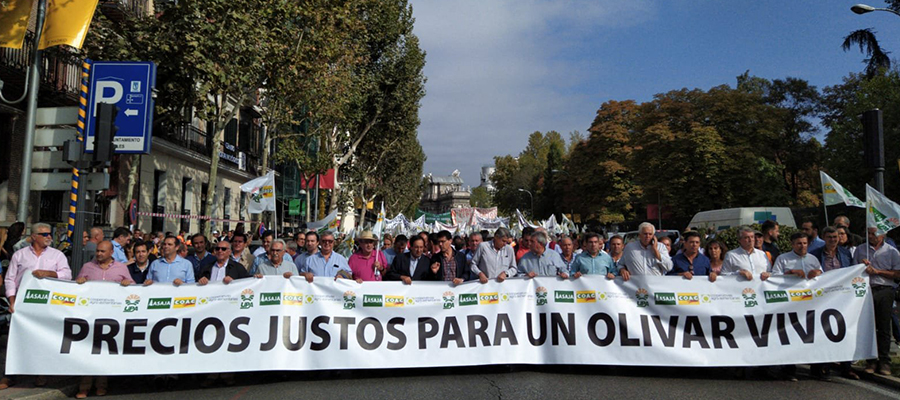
(222, 248)
(276, 250)
(44, 234)
(327, 241)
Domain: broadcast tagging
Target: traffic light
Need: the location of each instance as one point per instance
(105, 132)
(874, 138)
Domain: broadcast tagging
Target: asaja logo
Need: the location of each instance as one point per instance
(37, 296)
(776, 296)
(664, 299)
(131, 303)
(749, 298)
(449, 300)
(586, 296)
(801, 295)
(246, 299)
(372, 300)
(488, 298)
(540, 295)
(293, 299)
(63, 299)
(394, 301)
(859, 286)
(468, 299)
(160, 303)
(349, 300)
(563, 296)
(184, 302)
(270, 299)
(688, 299)
(643, 297)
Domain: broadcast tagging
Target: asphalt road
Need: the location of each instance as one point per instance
(518, 382)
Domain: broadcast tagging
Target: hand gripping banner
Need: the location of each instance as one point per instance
(288, 324)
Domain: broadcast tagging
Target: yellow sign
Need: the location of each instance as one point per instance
(184, 302)
(688, 299)
(585, 296)
(63, 299)
(801, 295)
(14, 22)
(67, 22)
(394, 301)
(293, 299)
(488, 298)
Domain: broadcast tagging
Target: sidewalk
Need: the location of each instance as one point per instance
(58, 387)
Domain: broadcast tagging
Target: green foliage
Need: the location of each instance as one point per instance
(527, 171)
(730, 237)
(481, 198)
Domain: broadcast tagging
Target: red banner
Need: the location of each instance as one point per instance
(326, 180)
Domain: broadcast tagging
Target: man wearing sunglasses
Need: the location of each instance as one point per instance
(40, 260)
(223, 269)
(326, 262)
(275, 262)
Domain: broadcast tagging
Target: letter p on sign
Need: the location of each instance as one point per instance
(109, 92)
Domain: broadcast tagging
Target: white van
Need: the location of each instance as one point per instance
(732, 217)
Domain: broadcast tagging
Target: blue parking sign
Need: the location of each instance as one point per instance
(129, 86)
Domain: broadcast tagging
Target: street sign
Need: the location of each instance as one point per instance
(128, 85)
(41, 181)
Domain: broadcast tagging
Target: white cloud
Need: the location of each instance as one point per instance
(499, 70)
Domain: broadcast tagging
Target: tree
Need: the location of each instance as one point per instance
(481, 198)
(527, 171)
(865, 38)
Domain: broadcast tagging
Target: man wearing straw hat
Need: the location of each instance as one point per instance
(369, 263)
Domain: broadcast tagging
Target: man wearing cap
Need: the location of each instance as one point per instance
(367, 264)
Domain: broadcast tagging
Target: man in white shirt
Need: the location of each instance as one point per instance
(495, 259)
(746, 260)
(798, 262)
(647, 256)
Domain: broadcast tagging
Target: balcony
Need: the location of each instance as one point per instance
(60, 73)
(185, 135)
(120, 10)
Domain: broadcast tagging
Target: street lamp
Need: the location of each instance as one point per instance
(532, 200)
(865, 8)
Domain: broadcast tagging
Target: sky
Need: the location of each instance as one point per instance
(499, 70)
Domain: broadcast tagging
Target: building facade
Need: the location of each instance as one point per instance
(443, 193)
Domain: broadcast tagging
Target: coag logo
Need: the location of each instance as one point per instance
(801, 295)
(775, 296)
(449, 300)
(394, 301)
(688, 299)
(586, 296)
(349, 300)
(468, 299)
(270, 299)
(372, 300)
(664, 299)
(488, 298)
(132, 302)
(563, 296)
(540, 295)
(63, 299)
(161, 303)
(642, 297)
(37, 296)
(246, 299)
(293, 299)
(749, 298)
(184, 302)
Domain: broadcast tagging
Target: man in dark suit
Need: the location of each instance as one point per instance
(449, 265)
(224, 269)
(412, 266)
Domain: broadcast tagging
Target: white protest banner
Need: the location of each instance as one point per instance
(881, 213)
(99, 328)
(833, 193)
(262, 193)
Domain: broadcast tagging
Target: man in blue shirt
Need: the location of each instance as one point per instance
(811, 229)
(690, 261)
(201, 257)
(171, 267)
(399, 246)
(326, 262)
(120, 238)
(593, 260)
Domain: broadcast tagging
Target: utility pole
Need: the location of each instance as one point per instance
(34, 73)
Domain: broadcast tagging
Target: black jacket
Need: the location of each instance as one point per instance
(234, 269)
(462, 266)
(400, 267)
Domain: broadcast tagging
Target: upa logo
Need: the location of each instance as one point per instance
(394, 301)
(776, 296)
(246, 299)
(349, 300)
(184, 302)
(270, 299)
(688, 299)
(449, 300)
(749, 296)
(488, 298)
(563, 296)
(540, 295)
(643, 297)
(131, 303)
(801, 295)
(293, 299)
(859, 286)
(63, 299)
(586, 296)
(159, 303)
(468, 299)
(37, 296)
(664, 299)
(372, 300)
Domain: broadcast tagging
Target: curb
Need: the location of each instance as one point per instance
(889, 381)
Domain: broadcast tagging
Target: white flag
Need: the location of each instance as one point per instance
(378, 229)
(330, 222)
(523, 221)
(834, 193)
(262, 193)
(881, 213)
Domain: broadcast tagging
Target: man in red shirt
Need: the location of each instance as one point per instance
(367, 264)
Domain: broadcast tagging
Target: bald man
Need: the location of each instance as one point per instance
(90, 246)
(104, 268)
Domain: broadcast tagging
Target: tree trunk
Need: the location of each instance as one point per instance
(132, 180)
(213, 175)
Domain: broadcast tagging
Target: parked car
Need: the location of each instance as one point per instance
(731, 217)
